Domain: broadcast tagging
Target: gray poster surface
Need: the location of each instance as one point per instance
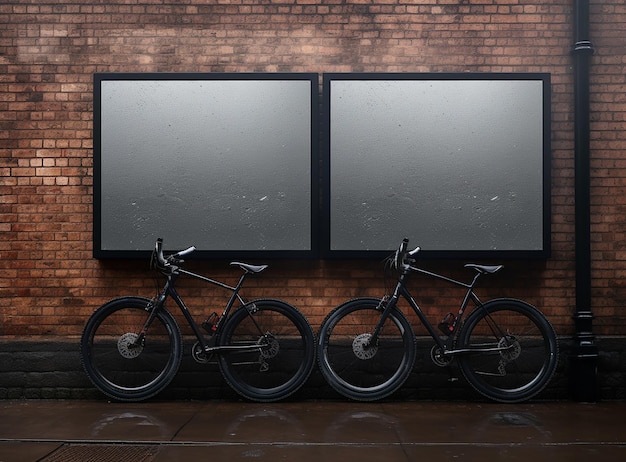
(219, 164)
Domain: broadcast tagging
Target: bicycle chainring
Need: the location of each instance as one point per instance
(437, 356)
(128, 347)
(362, 347)
(199, 355)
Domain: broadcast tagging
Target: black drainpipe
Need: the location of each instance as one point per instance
(584, 357)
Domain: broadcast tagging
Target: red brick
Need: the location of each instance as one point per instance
(49, 53)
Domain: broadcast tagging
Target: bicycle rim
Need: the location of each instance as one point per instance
(353, 367)
(282, 353)
(117, 364)
(528, 351)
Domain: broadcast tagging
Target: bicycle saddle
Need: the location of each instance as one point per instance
(484, 269)
(249, 268)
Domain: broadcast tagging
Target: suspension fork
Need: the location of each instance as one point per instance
(385, 305)
(152, 308)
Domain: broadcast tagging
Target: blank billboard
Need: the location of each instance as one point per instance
(458, 163)
(225, 162)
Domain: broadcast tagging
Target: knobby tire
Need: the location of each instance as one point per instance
(526, 365)
(285, 355)
(122, 368)
(354, 368)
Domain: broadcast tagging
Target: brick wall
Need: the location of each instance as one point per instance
(49, 50)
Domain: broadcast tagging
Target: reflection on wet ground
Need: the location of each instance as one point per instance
(310, 430)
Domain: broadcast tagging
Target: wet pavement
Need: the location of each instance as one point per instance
(304, 431)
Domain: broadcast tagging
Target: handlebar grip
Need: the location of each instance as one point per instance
(399, 255)
(404, 245)
(186, 252)
(414, 252)
(158, 249)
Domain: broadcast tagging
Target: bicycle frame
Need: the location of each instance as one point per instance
(170, 290)
(402, 291)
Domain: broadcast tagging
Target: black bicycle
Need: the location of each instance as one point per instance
(131, 347)
(506, 349)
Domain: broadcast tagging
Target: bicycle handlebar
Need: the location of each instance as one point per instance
(404, 257)
(167, 264)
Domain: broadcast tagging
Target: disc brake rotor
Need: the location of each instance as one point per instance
(128, 347)
(269, 346)
(362, 348)
(513, 348)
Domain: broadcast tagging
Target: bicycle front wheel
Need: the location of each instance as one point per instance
(122, 363)
(269, 350)
(355, 366)
(512, 350)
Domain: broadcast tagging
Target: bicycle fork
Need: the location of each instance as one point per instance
(385, 306)
(152, 308)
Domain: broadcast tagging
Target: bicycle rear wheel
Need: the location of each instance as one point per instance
(526, 350)
(352, 367)
(273, 350)
(117, 363)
